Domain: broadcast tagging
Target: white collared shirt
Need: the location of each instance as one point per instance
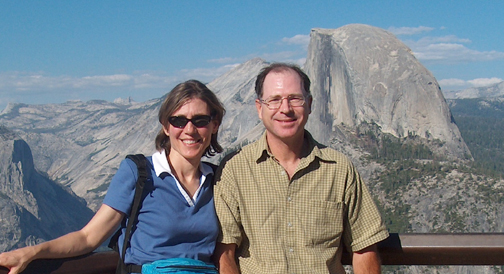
(161, 165)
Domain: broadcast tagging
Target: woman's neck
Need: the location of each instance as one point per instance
(187, 173)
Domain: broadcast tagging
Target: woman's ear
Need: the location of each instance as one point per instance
(215, 126)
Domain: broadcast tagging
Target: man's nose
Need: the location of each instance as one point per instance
(285, 105)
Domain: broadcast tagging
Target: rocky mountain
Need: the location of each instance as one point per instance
(372, 100)
(362, 74)
(32, 207)
(496, 90)
(80, 144)
(236, 91)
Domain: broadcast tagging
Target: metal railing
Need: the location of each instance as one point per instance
(398, 249)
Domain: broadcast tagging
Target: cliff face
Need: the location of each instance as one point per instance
(363, 73)
(32, 208)
(80, 144)
(236, 90)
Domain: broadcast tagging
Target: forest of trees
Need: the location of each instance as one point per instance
(481, 123)
(409, 159)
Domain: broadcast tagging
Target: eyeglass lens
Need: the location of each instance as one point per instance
(197, 121)
(275, 102)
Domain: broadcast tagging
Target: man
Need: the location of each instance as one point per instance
(287, 204)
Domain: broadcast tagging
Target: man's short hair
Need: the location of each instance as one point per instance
(280, 67)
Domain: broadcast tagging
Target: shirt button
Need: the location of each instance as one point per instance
(291, 250)
(289, 224)
(282, 172)
(289, 199)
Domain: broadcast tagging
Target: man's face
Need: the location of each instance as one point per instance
(287, 122)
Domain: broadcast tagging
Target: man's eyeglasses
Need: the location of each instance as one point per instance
(197, 121)
(275, 102)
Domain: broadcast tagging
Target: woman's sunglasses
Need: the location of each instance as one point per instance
(197, 121)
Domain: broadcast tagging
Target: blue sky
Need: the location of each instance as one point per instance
(54, 51)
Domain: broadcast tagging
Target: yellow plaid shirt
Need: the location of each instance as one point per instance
(296, 225)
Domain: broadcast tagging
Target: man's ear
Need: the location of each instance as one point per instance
(310, 100)
(259, 108)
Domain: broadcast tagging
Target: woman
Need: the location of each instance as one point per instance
(177, 217)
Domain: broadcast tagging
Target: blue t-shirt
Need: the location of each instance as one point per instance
(168, 226)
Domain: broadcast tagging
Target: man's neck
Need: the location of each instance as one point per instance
(287, 152)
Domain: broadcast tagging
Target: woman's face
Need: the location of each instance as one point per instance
(190, 141)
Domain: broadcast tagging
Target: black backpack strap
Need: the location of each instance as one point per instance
(141, 163)
(213, 166)
(215, 169)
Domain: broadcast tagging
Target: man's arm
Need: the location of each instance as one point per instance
(367, 261)
(225, 258)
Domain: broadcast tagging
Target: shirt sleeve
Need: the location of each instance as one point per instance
(121, 190)
(364, 225)
(227, 206)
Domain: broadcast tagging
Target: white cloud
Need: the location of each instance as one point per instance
(452, 82)
(36, 88)
(33, 88)
(298, 39)
(483, 82)
(20, 81)
(224, 60)
(449, 49)
(153, 81)
(282, 56)
(428, 40)
(115, 80)
(23, 82)
(277, 53)
(409, 30)
(206, 74)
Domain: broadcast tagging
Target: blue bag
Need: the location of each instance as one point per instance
(180, 266)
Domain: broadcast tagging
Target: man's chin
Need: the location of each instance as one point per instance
(286, 134)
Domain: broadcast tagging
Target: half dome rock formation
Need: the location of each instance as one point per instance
(361, 74)
(32, 207)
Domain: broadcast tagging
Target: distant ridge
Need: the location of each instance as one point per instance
(80, 144)
(492, 91)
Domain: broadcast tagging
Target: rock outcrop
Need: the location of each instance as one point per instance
(32, 207)
(362, 73)
(80, 144)
(236, 91)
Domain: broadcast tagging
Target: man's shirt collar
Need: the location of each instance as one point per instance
(313, 150)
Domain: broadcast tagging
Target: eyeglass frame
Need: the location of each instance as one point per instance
(304, 98)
